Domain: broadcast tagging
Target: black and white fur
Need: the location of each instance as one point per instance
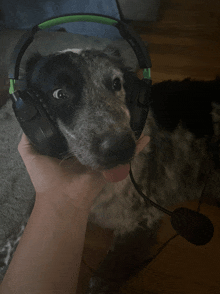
(85, 93)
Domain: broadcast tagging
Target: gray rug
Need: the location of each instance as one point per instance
(17, 192)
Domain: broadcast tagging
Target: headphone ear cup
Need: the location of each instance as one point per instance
(138, 101)
(41, 131)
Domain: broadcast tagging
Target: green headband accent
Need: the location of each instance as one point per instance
(74, 18)
(12, 89)
(147, 73)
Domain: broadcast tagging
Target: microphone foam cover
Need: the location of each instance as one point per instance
(192, 225)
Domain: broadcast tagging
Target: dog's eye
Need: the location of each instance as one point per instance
(116, 85)
(58, 94)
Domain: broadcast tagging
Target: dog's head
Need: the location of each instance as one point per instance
(86, 95)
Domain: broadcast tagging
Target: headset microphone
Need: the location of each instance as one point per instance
(191, 225)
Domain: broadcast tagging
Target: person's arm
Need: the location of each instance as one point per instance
(48, 256)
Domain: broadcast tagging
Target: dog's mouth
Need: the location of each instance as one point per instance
(121, 172)
(117, 174)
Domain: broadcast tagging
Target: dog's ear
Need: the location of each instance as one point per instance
(29, 68)
(115, 55)
(31, 62)
(112, 51)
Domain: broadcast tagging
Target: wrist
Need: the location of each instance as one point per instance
(79, 193)
(62, 203)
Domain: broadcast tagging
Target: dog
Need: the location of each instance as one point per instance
(85, 95)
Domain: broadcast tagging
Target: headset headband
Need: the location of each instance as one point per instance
(125, 31)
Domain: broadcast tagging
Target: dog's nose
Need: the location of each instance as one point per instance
(117, 149)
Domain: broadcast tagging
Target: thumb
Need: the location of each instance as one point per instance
(25, 148)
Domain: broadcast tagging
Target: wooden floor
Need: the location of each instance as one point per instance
(185, 41)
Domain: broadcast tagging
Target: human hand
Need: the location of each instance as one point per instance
(68, 177)
(60, 177)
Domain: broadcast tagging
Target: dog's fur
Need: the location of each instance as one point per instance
(94, 119)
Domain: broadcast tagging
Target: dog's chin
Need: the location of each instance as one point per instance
(101, 168)
(114, 164)
(117, 170)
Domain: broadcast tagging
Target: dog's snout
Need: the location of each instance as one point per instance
(117, 149)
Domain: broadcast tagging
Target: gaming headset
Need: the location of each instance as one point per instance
(34, 120)
(47, 139)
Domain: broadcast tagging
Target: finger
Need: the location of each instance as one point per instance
(141, 144)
